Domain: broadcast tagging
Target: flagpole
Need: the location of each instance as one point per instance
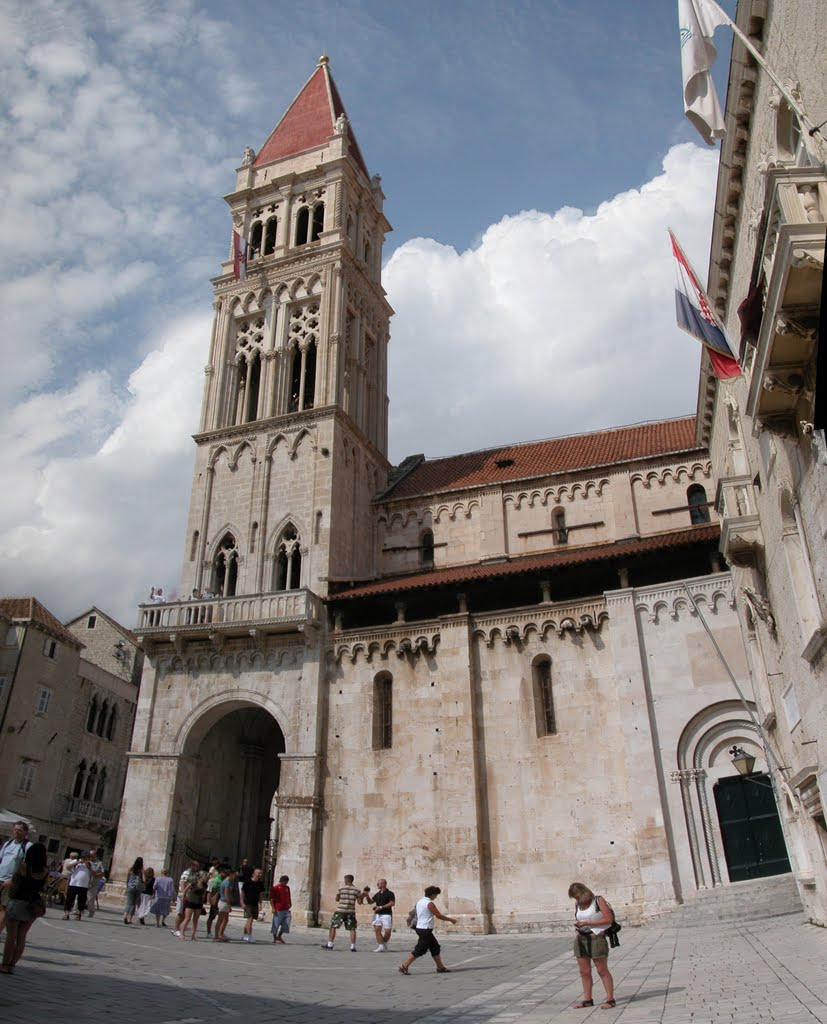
(785, 92)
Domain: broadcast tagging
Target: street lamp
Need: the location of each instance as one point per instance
(743, 761)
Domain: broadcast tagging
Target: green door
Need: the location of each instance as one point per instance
(750, 829)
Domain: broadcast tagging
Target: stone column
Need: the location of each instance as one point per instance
(252, 760)
(299, 828)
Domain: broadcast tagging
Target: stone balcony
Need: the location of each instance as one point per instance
(741, 536)
(243, 615)
(87, 812)
(791, 251)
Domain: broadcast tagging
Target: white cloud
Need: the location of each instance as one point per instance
(555, 323)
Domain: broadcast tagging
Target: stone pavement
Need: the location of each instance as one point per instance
(98, 971)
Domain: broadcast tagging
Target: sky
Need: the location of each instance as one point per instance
(532, 155)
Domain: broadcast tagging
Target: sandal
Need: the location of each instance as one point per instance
(583, 1004)
(403, 969)
(443, 970)
(610, 1004)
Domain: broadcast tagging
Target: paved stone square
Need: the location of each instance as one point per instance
(100, 970)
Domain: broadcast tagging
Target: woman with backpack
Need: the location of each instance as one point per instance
(592, 918)
(134, 889)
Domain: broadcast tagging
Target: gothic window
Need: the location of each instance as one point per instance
(249, 346)
(367, 254)
(225, 567)
(303, 334)
(698, 504)
(91, 782)
(349, 229)
(288, 560)
(194, 548)
(559, 528)
(383, 711)
(101, 786)
(112, 723)
(426, 547)
(255, 239)
(270, 236)
(318, 222)
(302, 225)
(543, 696)
(80, 778)
(102, 716)
(92, 717)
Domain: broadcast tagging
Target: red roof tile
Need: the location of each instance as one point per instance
(532, 563)
(30, 609)
(543, 458)
(309, 121)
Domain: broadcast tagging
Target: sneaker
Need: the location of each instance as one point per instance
(245, 938)
(177, 934)
(353, 949)
(325, 946)
(379, 949)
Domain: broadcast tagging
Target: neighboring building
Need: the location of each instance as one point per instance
(765, 437)
(67, 705)
(485, 670)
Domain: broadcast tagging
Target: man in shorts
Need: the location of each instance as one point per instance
(281, 901)
(251, 893)
(188, 876)
(345, 914)
(383, 901)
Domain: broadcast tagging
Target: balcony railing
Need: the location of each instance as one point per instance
(741, 537)
(792, 262)
(89, 811)
(270, 613)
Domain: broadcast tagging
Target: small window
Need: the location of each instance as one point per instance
(255, 239)
(559, 528)
(543, 697)
(698, 505)
(91, 622)
(426, 547)
(43, 698)
(50, 648)
(80, 778)
(383, 711)
(10, 639)
(92, 715)
(26, 774)
(112, 723)
(3, 683)
(53, 845)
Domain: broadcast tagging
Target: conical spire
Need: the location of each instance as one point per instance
(309, 121)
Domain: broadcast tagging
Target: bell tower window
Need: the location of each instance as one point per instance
(318, 222)
(225, 567)
(303, 338)
(270, 236)
(255, 239)
(288, 567)
(302, 224)
(249, 346)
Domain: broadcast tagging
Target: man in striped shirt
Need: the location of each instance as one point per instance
(345, 914)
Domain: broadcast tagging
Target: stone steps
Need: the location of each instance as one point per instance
(751, 900)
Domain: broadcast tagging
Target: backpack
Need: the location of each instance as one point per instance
(410, 920)
(614, 927)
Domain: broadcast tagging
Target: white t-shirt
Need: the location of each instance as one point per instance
(81, 876)
(424, 917)
(11, 857)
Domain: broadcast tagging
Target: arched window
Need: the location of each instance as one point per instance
(225, 567)
(270, 236)
(543, 697)
(559, 528)
(309, 382)
(426, 547)
(383, 711)
(253, 385)
(255, 239)
(303, 377)
(302, 225)
(112, 723)
(80, 778)
(92, 716)
(698, 504)
(102, 716)
(194, 548)
(288, 560)
(318, 222)
(91, 782)
(101, 786)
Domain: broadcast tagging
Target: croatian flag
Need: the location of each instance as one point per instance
(239, 257)
(695, 316)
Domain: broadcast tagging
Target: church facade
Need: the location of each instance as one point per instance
(490, 672)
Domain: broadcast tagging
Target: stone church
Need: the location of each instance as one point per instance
(489, 672)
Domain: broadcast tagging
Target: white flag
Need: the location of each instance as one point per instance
(698, 20)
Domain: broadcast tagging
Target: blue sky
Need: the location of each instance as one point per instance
(532, 155)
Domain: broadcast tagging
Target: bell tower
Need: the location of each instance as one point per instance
(292, 440)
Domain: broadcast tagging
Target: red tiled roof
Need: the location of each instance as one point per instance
(29, 608)
(532, 563)
(309, 121)
(543, 458)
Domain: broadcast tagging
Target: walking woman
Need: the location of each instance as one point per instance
(25, 904)
(592, 917)
(193, 904)
(426, 912)
(145, 902)
(134, 889)
(162, 896)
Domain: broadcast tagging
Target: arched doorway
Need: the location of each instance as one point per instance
(750, 827)
(228, 796)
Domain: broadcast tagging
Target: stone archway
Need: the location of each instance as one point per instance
(225, 796)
